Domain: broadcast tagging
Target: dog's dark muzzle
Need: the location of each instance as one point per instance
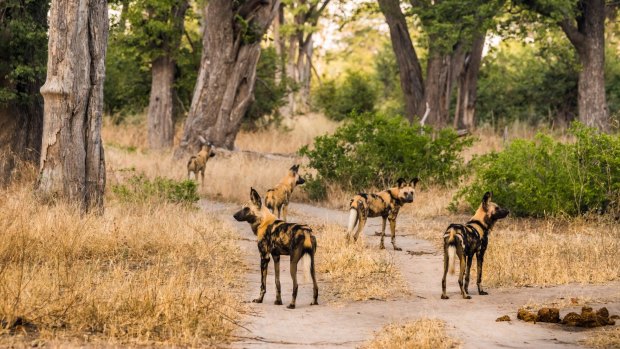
(239, 216)
(499, 214)
(300, 181)
(408, 198)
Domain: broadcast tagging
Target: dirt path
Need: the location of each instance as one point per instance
(349, 325)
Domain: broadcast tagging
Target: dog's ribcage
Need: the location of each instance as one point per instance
(468, 237)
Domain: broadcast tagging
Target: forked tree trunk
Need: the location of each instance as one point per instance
(410, 71)
(438, 88)
(467, 80)
(160, 114)
(72, 160)
(225, 85)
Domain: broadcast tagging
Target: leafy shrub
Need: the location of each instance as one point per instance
(373, 150)
(547, 177)
(139, 188)
(339, 99)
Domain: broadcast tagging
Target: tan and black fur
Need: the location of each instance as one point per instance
(276, 238)
(197, 163)
(467, 240)
(278, 197)
(384, 204)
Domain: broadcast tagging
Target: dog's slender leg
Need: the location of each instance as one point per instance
(295, 257)
(202, 176)
(393, 229)
(264, 263)
(284, 211)
(469, 259)
(384, 220)
(315, 287)
(461, 254)
(276, 268)
(445, 271)
(479, 261)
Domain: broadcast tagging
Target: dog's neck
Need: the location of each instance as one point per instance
(394, 195)
(484, 220)
(288, 182)
(264, 220)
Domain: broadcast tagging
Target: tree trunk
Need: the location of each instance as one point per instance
(438, 88)
(72, 159)
(588, 37)
(464, 115)
(225, 84)
(160, 124)
(279, 43)
(304, 71)
(410, 71)
(160, 114)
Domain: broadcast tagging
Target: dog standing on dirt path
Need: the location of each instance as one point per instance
(198, 162)
(467, 240)
(278, 197)
(278, 238)
(386, 204)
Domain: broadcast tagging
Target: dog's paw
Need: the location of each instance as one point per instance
(257, 300)
(278, 302)
(397, 248)
(483, 293)
(443, 296)
(314, 303)
(467, 297)
(382, 247)
(290, 306)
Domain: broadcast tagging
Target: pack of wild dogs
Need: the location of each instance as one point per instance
(276, 237)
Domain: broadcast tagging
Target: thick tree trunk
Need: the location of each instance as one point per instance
(438, 88)
(279, 43)
(464, 115)
(304, 71)
(225, 84)
(409, 67)
(160, 114)
(72, 160)
(160, 124)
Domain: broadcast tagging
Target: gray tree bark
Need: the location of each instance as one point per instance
(467, 80)
(225, 85)
(72, 160)
(410, 71)
(160, 115)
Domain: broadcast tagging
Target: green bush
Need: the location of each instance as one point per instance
(547, 177)
(140, 189)
(373, 150)
(338, 100)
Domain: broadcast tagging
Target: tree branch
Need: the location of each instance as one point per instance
(573, 34)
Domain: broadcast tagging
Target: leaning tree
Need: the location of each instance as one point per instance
(72, 161)
(224, 88)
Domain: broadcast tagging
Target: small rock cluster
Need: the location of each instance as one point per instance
(587, 318)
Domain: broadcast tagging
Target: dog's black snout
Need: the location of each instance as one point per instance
(238, 216)
(301, 181)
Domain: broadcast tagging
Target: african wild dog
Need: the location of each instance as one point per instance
(468, 239)
(278, 238)
(198, 162)
(386, 204)
(278, 197)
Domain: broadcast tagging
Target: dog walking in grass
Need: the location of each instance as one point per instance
(384, 204)
(276, 238)
(198, 162)
(278, 197)
(467, 240)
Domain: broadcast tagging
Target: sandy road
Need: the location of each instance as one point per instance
(348, 325)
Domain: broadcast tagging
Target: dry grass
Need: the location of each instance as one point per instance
(356, 271)
(420, 334)
(138, 274)
(604, 338)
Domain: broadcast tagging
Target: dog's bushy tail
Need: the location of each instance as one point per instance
(352, 220)
(306, 265)
(451, 250)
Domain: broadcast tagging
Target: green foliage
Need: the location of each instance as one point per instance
(316, 188)
(547, 177)
(531, 82)
(372, 150)
(23, 50)
(391, 99)
(140, 189)
(338, 100)
(268, 93)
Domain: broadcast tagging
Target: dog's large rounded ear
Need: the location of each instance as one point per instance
(486, 198)
(255, 197)
(295, 168)
(401, 182)
(414, 181)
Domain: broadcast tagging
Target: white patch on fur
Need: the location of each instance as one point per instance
(451, 259)
(352, 220)
(306, 266)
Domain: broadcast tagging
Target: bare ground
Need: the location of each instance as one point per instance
(348, 325)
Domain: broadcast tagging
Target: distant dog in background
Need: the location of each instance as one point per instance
(467, 240)
(198, 162)
(385, 204)
(278, 238)
(277, 198)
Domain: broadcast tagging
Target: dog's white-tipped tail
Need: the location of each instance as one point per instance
(451, 259)
(306, 265)
(352, 220)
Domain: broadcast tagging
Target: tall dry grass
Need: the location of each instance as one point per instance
(419, 334)
(140, 274)
(356, 272)
(604, 338)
